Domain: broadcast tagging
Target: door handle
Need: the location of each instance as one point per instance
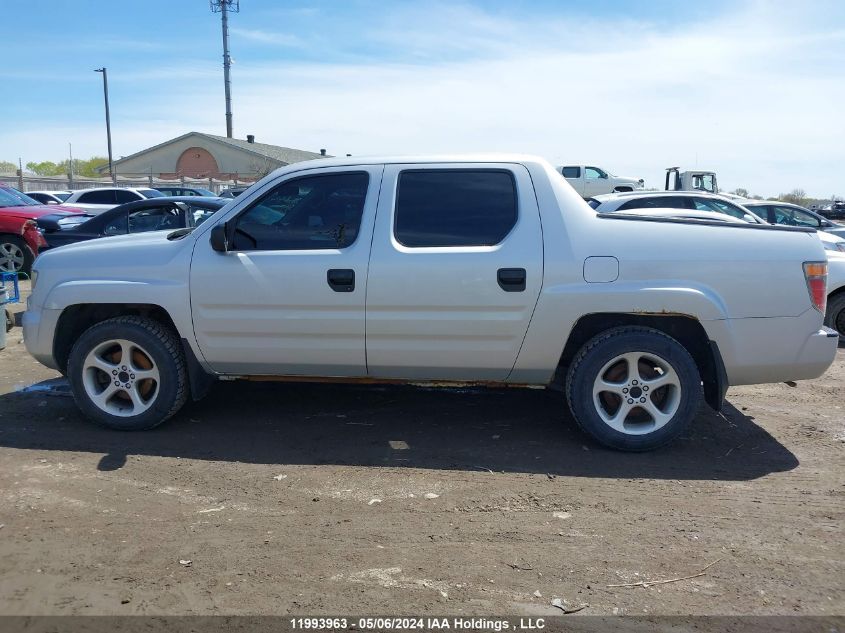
(341, 279)
(511, 279)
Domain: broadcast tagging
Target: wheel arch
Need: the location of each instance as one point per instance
(77, 318)
(685, 329)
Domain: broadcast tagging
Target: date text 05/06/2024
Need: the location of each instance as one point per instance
(417, 624)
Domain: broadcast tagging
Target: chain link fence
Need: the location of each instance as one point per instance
(63, 183)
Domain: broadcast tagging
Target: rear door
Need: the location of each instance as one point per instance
(455, 272)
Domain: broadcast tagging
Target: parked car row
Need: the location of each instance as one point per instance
(29, 225)
(691, 205)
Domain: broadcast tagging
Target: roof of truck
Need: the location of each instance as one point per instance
(416, 159)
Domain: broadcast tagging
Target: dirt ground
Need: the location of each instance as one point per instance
(270, 498)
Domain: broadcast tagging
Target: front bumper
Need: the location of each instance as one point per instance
(39, 327)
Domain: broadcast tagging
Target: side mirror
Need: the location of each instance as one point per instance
(219, 238)
(605, 176)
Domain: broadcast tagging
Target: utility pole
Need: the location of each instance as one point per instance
(223, 7)
(108, 120)
(70, 166)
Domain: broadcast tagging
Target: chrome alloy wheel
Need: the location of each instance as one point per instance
(11, 257)
(121, 378)
(637, 393)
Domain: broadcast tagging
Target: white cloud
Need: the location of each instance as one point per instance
(268, 37)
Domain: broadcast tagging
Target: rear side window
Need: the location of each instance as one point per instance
(455, 207)
(106, 196)
(571, 172)
(657, 202)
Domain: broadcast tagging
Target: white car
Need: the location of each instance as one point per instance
(589, 180)
(49, 197)
(441, 269)
(694, 200)
(102, 199)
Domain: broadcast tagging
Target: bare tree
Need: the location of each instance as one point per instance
(739, 191)
(796, 196)
(260, 167)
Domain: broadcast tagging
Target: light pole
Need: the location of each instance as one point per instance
(108, 120)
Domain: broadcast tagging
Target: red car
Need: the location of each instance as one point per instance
(20, 238)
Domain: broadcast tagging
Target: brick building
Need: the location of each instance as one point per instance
(200, 155)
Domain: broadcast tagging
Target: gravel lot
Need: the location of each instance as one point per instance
(271, 498)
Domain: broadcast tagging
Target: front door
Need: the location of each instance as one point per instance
(455, 273)
(288, 296)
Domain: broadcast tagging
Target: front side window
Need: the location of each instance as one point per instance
(795, 217)
(455, 207)
(571, 172)
(314, 212)
(719, 206)
(154, 219)
(117, 226)
(593, 172)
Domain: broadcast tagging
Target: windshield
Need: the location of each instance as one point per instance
(150, 193)
(205, 192)
(13, 198)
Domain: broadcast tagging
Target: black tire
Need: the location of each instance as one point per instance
(158, 344)
(9, 242)
(590, 364)
(834, 317)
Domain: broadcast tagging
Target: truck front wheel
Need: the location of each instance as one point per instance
(633, 388)
(128, 373)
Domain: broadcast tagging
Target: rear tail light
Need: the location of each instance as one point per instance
(816, 275)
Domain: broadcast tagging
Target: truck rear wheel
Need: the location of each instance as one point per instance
(633, 388)
(128, 373)
(835, 315)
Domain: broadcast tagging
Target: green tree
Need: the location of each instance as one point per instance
(8, 168)
(45, 168)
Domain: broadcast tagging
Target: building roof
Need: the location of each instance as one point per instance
(282, 155)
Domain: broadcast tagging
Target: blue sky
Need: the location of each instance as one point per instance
(753, 89)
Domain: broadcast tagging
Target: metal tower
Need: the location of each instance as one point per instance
(223, 7)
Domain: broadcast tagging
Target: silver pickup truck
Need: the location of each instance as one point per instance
(486, 270)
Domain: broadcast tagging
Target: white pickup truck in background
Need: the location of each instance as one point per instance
(480, 269)
(591, 181)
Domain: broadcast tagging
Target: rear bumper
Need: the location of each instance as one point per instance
(774, 349)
